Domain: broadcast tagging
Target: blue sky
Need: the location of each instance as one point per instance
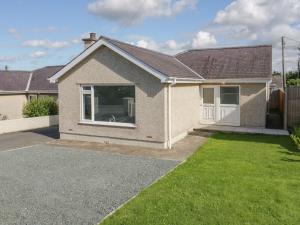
(39, 33)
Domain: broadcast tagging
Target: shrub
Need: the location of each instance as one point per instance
(296, 136)
(293, 82)
(46, 106)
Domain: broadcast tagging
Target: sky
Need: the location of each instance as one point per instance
(36, 33)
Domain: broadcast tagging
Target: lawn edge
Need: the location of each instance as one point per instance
(154, 182)
(133, 197)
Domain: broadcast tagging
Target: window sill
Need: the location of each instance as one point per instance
(108, 124)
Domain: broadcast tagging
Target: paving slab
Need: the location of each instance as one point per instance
(252, 130)
(179, 152)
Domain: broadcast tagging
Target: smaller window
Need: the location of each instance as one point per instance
(229, 95)
(208, 96)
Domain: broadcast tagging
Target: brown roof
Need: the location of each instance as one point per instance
(230, 63)
(163, 63)
(39, 80)
(18, 80)
(14, 80)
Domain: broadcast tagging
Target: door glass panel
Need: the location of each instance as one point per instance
(229, 95)
(208, 96)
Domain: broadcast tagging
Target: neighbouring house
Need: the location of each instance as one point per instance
(18, 87)
(114, 92)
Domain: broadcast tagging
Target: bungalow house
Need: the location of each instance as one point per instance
(114, 92)
(18, 87)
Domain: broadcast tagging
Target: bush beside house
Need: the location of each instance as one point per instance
(296, 136)
(40, 107)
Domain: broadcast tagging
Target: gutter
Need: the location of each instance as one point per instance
(170, 84)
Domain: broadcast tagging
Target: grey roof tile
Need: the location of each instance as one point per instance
(39, 80)
(17, 80)
(228, 63)
(163, 63)
(13, 80)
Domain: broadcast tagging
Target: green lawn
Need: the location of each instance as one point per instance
(233, 179)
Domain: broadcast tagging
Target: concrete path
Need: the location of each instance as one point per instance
(179, 152)
(242, 130)
(27, 138)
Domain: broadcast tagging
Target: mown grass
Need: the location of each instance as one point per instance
(232, 179)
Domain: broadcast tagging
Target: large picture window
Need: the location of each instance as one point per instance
(108, 104)
(229, 95)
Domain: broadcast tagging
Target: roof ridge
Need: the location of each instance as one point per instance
(220, 48)
(135, 46)
(189, 68)
(54, 66)
(47, 67)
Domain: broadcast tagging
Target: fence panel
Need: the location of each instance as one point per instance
(293, 116)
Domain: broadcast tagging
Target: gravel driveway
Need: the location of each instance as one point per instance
(46, 184)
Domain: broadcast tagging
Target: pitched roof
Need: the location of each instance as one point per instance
(165, 64)
(35, 80)
(39, 80)
(230, 63)
(14, 80)
(162, 66)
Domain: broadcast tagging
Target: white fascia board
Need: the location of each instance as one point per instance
(189, 81)
(246, 80)
(94, 47)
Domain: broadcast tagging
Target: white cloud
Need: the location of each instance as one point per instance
(45, 44)
(176, 46)
(149, 44)
(38, 54)
(15, 33)
(9, 58)
(204, 39)
(201, 40)
(130, 12)
(262, 22)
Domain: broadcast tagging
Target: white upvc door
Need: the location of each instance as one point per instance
(220, 105)
(208, 101)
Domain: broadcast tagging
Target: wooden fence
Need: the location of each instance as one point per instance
(293, 115)
(276, 100)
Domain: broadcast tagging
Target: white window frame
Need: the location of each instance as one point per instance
(82, 93)
(92, 120)
(239, 94)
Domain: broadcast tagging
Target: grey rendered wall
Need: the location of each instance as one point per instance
(185, 108)
(253, 105)
(107, 67)
(11, 106)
